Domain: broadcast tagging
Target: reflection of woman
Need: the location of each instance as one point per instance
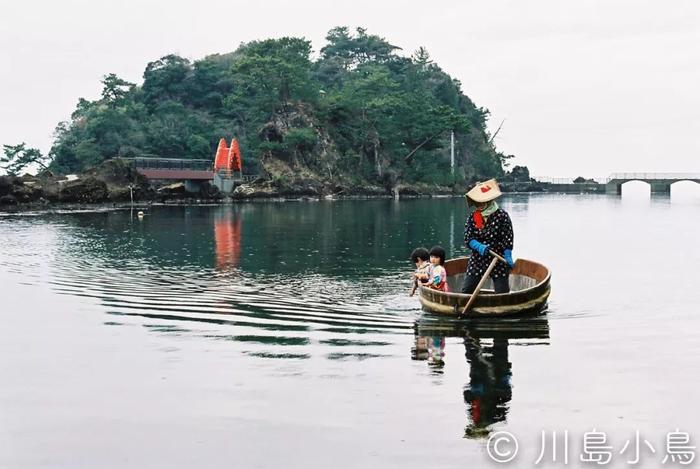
(487, 228)
(489, 390)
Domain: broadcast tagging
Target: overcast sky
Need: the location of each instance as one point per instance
(585, 87)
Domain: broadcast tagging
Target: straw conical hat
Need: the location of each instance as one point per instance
(484, 191)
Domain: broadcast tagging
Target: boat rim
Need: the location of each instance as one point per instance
(495, 295)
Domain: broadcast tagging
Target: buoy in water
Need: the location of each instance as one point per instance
(140, 214)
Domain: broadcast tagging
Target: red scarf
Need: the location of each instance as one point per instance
(478, 219)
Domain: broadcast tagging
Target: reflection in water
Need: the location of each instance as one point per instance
(489, 390)
(227, 235)
(432, 349)
(185, 271)
(517, 204)
(307, 337)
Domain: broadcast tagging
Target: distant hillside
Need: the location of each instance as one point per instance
(359, 113)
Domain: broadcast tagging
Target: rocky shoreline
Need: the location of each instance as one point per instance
(247, 195)
(116, 184)
(89, 195)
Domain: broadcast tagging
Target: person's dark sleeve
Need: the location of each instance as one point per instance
(468, 230)
(506, 229)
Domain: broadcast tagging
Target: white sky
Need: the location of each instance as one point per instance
(585, 88)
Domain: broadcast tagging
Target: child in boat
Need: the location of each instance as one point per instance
(438, 276)
(421, 258)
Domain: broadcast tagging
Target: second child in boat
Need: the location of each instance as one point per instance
(438, 276)
(421, 258)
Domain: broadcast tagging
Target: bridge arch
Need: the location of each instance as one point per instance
(688, 189)
(697, 181)
(635, 186)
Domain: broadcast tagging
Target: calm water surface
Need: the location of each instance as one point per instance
(282, 335)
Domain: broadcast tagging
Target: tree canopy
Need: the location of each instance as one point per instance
(17, 158)
(360, 109)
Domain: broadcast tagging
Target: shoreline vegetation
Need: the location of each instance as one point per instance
(359, 118)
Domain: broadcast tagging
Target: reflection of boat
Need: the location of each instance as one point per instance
(527, 328)
(529, 283)
(486, 343)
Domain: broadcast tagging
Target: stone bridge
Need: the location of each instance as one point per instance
(660, 182)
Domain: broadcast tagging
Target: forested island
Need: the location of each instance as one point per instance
(358, 117)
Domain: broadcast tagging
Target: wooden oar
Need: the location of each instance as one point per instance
(497, 256)
(481, 283)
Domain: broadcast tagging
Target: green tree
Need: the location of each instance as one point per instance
(114, 90)
(17, 158)
(359, 110)
(352, 50)
(300, 141)
(167, 79)
(268, 76)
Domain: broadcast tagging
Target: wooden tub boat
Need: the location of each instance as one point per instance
(529, 290)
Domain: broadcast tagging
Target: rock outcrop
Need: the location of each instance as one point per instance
(87, 190)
